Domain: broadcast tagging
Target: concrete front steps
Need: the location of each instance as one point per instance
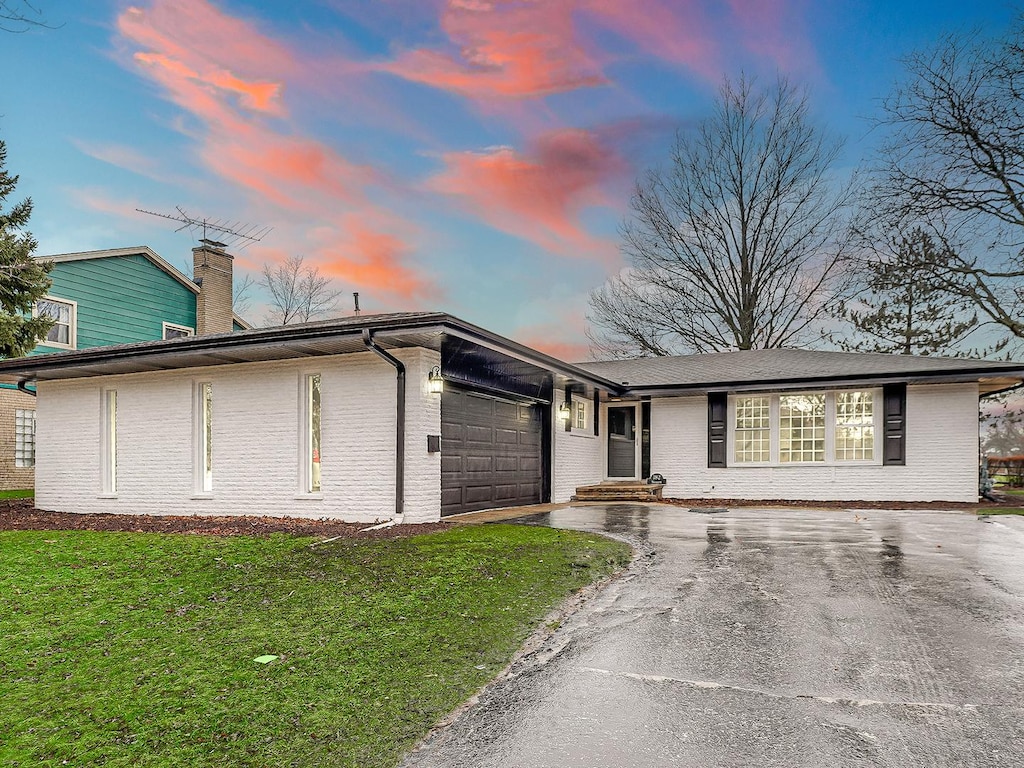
(620, 491)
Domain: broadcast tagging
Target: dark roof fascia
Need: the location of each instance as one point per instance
(485, 338)
(278, 336)
(823, 382)
(284, 335)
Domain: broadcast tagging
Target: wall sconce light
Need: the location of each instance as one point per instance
(435, 383)
(565, 411)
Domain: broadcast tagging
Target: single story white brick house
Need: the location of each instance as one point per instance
(414, 416)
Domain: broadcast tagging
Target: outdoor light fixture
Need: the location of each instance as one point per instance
(435, 384)
(565, 411)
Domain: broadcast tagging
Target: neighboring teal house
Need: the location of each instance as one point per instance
(117, 296)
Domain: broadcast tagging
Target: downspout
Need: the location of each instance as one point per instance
(400, 426)
(25, 389)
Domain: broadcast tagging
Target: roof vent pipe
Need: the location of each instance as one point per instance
(400, 422)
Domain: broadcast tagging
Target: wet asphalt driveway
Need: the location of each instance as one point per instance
(773, 638)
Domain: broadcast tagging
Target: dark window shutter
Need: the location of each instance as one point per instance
(597, 413)
(717, 427)
(894, 429)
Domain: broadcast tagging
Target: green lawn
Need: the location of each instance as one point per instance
(24, 493)
(1000, 511)
(137, 649)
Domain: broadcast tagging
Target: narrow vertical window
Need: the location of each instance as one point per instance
(313, 431)
(204, 434)
(581, 415)
(109, 461)
(24, 438)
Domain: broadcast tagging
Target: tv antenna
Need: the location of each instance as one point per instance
(235, 235)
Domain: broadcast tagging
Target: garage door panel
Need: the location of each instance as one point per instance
(490, 452)
(506, 463)
(507, 492)
(478, 493)
(476, 433)
(529, 464)
(477, 464)
(451, 496)
(506, 436)
(450, 462)
(506, 411)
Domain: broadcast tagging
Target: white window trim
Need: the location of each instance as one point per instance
(830, 430)
(306, 434)
(202, 480)
(576, 404)
(73, 328)
(108, 443)
(189, 331)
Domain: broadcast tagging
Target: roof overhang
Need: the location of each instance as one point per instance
(990, 382)
(428, 330)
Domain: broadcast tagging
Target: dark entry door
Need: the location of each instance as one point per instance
(622, 442)
(491, 452)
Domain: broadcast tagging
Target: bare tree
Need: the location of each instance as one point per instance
(241, 294)
(738, 243)
(298, 292)
(954, 154)
(20, 16)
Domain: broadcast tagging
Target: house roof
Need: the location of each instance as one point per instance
(723, 371)
(139, 250)
(326, 337)
(758, 368)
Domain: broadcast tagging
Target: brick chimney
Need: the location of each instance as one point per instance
(212, 271)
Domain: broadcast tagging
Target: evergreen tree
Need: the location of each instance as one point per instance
(23, 280)
(901, 310)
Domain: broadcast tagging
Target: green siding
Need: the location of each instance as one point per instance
(121, 299)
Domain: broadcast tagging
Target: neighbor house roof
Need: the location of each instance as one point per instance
(140, 250)
(757, 368)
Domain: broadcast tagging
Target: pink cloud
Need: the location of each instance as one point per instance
(516, 49)
(539, 194)
(507, 49)
(231, 77)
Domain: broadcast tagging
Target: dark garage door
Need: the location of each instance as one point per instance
(491, 452)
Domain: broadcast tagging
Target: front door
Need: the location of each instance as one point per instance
(622, 442)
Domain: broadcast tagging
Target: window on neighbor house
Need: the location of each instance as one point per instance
(313, 432)
(805, 428)
(109, 442)
(24, 438)
(172, 331)
(64, 314)
(204, 437)
(581, 414)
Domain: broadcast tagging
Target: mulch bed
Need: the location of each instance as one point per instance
(20, 515)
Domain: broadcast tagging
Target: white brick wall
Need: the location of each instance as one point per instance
(256, 435)
(942, 456)
(577, 457)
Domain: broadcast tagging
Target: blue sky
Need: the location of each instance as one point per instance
(473, 156)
